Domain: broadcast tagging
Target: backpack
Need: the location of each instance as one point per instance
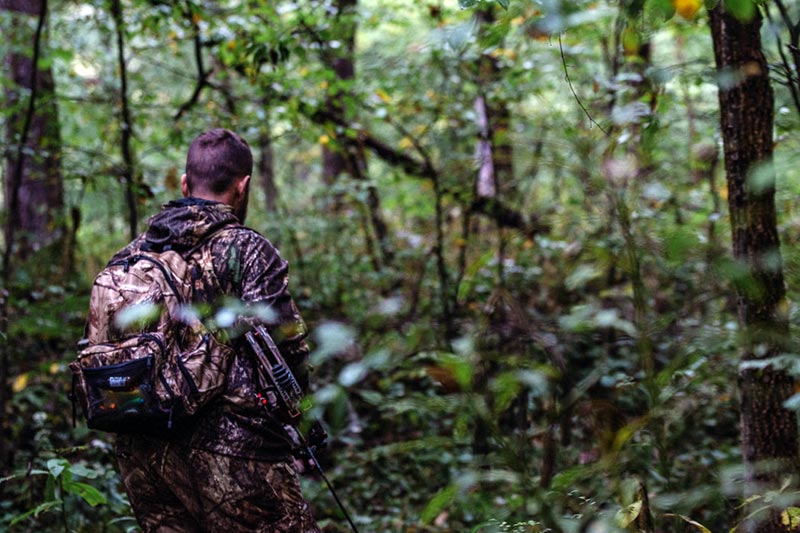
(148, 361)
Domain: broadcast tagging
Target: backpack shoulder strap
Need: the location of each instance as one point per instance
(201, 259)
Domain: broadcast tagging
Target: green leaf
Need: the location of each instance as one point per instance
(137, 316)
(662, 9)
(442, 499)
(36, 511)
(743, 10)
(471, 274)
(90, 495)
(57, 466)
(793, 403)
(679, 244)
(504, 3)
(80, 469)
(461, 369)
(331, 339)
(464, 4)
(352, 374)
(582, 275)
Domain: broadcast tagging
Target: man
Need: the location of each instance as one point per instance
(232, 469)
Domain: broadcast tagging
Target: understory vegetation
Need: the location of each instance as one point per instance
(556, 352)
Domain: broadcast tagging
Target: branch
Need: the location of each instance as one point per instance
(202, 74)
(569, 82)
(503, 214)
(793, 40)
(506, 216)
(410, 165)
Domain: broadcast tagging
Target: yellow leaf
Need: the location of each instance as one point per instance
(627, 515)
(54, 369)
(383, 95)
(517, 21)
(687, 8)
(698, 525)
(20, 382)
(405, 142)
(196, 18)
(324, 140)
(791, 517)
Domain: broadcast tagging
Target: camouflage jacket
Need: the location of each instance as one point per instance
(233, 263)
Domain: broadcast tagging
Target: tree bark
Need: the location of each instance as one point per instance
(768, 430)
(35, 191)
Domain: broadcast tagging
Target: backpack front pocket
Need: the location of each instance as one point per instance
(116, 385)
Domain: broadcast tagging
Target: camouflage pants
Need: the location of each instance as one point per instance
(174, 489)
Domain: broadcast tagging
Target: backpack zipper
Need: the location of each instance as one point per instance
(130, 261)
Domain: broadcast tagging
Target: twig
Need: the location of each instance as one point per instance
(791, 80)
(569, 82)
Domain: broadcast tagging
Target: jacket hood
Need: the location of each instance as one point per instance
(182, 224)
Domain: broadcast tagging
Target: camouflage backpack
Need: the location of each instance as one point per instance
(147, 361)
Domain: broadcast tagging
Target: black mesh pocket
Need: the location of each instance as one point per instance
(121, 397)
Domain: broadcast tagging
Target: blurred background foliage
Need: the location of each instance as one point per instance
(534, 351)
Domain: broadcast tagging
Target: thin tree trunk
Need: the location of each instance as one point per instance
(769, 431)
(128, 173)
(266, 167)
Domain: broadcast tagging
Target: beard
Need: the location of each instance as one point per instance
(240, 209)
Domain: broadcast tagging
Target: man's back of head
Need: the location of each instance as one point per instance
(216, 160)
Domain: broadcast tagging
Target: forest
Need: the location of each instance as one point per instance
(547, 250)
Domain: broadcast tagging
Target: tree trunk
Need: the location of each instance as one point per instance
(34, 193)
(769, 431)
(34, 185)
(126, 126)
(334, 160)
(343, 155)
(266, 167)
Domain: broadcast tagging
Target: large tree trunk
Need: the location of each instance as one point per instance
(769, 431)
(34, 185)
(34, 192)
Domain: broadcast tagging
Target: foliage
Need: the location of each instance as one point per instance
(484, 376)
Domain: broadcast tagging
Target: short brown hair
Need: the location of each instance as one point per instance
(216, 159)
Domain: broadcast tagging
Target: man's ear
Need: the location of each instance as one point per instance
(185, 186)
(241, 186)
